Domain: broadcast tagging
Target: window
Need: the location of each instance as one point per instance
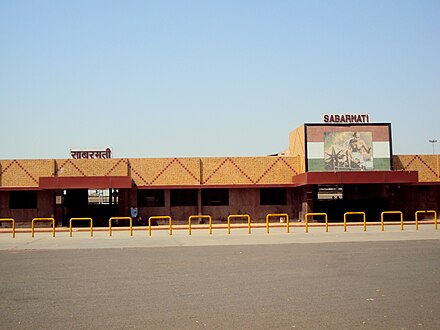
(151, 198)
(23, 200)
(215, 197)
(330, 192)
(183, 197)
(273, 196)
(102, 196)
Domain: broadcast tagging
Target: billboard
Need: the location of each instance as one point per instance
(348, 147)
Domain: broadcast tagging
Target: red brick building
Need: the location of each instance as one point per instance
(332, 168)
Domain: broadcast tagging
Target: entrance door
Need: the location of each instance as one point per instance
(335, 200)
(98, 204)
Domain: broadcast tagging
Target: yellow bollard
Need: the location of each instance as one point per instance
(391, 212)
(160, 217)
(306, 219)
(425, 212)
(12, 221)
(361, 213)
(200, 217)
(120, 218)
(81, 219)
(277, 215)
(435, 215)
(239, 216)
(43, 219)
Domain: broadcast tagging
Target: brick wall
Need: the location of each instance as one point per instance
(426, 165)
(156, 171)
(24, 173)
(187, 171)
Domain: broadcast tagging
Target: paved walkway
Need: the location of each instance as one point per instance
(160, 236)
(373, 280)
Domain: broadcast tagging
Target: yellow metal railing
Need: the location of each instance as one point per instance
(43, 219)
(81, 219)
(306, 219)
(160, 217)
(120, 218)
(426, 212)
(200, 217)
(285, 215)
(12, 221)
(360, 213)
(234, 216)
(391, 212)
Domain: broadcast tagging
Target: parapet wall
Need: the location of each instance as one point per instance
(24, 173)
(426, 165)
(187, 171)
(156, 171)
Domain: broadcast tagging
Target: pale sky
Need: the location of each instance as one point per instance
(211, 78)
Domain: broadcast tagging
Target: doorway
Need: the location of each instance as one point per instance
(98, 204)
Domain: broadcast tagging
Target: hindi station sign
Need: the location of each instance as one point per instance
(91, 153)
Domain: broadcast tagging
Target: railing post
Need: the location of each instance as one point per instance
(81, 219)
(391, 212)
(239, 216)
(200, 217)
(306, 219)
(160, 217)
(43, 219)
(360, 213)
(12, 221)
(120, 218)
(426, 211)
(285, 215)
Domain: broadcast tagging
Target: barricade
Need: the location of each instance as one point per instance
(81, 219)
(200, 217)
(231, 216)
(12, 221)
(285, 215)
(391, 212)
(43, 219)
(306, 219)
(160, 217)
(425, 212)
(120, 218)
(361, 213)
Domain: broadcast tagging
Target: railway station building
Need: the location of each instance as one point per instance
(343, 164)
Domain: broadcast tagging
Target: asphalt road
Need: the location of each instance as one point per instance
(349, 285)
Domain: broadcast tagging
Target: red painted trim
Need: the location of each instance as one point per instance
(89, 182)
(310, 178)
(19, 188)
(364, 177)
(234, 186)
(430, 183)
(169, 187)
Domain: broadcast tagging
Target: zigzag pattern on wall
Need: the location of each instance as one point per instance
(426, 165)
(229, 171)
(91, 167)
(66, 163)
(175, 162)
(156, 172)
(118, 163)
(21, 167)
(24, 173)
(222, 165)
(271, 168)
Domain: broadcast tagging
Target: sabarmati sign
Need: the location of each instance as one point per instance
(91, 154)
(346, 118)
